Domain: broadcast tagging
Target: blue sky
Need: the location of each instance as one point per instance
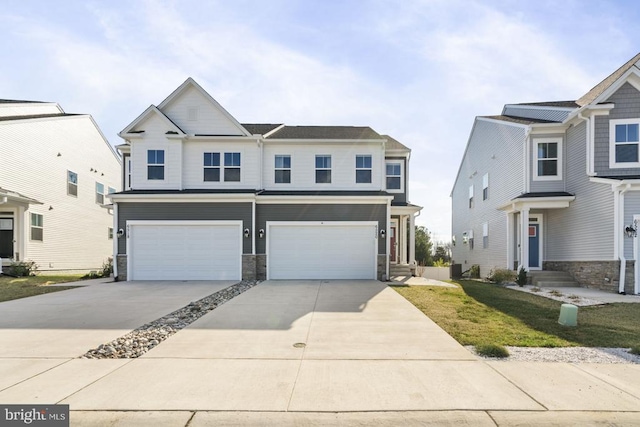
(417, 70)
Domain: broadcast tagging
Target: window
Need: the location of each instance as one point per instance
(111, 190)
(485, 186)
(72, 183)
(485, 235)
(36, 227)
(394, 176)
(363, 169)
(232, 167)
(624, 139)
(110, 233)
(212, 167)
(155, 165)
(548, 161)
(470, 196)
(99, 193)
(128, 184)
(323, 169)
(283, 169)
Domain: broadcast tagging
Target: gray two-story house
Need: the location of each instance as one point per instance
(207, 197)
(556, 186)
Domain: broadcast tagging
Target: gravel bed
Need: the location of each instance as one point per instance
(566, 354)
(140, 340)
(555, 295)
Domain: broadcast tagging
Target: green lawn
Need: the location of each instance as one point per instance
(481, 313)
(22, 287)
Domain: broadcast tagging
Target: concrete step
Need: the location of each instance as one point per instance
(399, 270)
(547, 278)
(556, 284)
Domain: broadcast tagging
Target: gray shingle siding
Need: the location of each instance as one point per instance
(583, 231)
(497, 149)
(185, 212)
(536, 113)
(320, 212)
(627, 106)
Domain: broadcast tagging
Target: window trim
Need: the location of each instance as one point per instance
(276, 168)
(470, 198)
(316, 169)
(485, 186)
(369, 169)
(100, 194)
(485, 235)
(559, 159)
(213, 167)
(128, 183)
(31, 226)
(163, 164)
(69, 172)
(612, 144)
(232, 167)
(398, 162)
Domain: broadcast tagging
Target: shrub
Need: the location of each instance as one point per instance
(492, 350)
(107, 267)
(475, 271)
(635, 350)
(501, 275)
(521, 278)
(22, 269)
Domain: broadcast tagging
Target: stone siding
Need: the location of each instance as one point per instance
(248, 267)
(261, 267)
(121, 262)
(382, 268)
(604, 275)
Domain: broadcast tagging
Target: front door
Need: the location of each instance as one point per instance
(534, 246)
(6, 237)
(393, 236)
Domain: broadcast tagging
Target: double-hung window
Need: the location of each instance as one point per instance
(283, 169)
(99, 193)
(232, 167)
(323, 169)
(485, 186)
(548, 159)
(470, 196)
(128, 186)
(212, 167)
(624, 137)
(155, 165)
(363, 169)
(37, 227)
(72, 183)
(394, 176)
(485, 235)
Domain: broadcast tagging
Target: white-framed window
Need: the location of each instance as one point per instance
(624, 142)
(323, 169)
(363, 169)
(485, 186)
(37, 227)
(110, 233)
(282, 163)
(471, 196)
(231, 167)
(211, 163)
(155, 165)
(485, 235)
(99, 193)
(128, 183)
(548, 159)
(72, 183)
(395, 181)
(111, 190)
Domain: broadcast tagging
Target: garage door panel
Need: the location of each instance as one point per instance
(322, 251)
(185, 252)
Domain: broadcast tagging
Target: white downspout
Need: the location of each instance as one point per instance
(527, 163)
(114, 235)
(589, 147)
(623, 260)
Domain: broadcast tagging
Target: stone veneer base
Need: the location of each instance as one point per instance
(604, 275)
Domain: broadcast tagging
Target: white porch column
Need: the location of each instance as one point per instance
(510, 240)
(402, 239)
(412, 239)
(21, 224)
(524, 242)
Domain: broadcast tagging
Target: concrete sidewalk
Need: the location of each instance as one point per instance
(322, 353)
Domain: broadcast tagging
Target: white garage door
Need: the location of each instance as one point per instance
(184, 251)
(322, 250)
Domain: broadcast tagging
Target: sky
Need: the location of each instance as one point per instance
(418, 70)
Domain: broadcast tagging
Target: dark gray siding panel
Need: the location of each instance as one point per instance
(627, 106)
(185, 212)
(320, 212)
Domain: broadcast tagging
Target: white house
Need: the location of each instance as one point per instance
(55, 171)
(207, 197)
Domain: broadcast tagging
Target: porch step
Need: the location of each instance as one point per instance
(552, 279)
(399, 270)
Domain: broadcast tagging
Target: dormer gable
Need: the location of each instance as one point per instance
(151, 114)
(629, 72)
(196, 112)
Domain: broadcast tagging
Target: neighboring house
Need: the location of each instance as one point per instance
(556, 186)
(209, 198)
(55, 171)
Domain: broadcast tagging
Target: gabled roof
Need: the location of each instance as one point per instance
(15, 196)
(37, 116)
(394, 144)
(560, 104)
(152, 110)
(605, 84)
(325, 132)
(518, 120)
(260, 128)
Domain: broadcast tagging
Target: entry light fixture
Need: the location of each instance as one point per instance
(247, 232)
(120, 232)
(631, 230)
(383, 233)
(261, 233)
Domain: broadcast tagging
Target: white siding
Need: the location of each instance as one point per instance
(631, 208)
(194, 166)
(28, 109)
(343, 166)
(210, 120)
(497, 149)
(75, 228)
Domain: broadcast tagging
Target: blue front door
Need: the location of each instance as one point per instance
(534, 245)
